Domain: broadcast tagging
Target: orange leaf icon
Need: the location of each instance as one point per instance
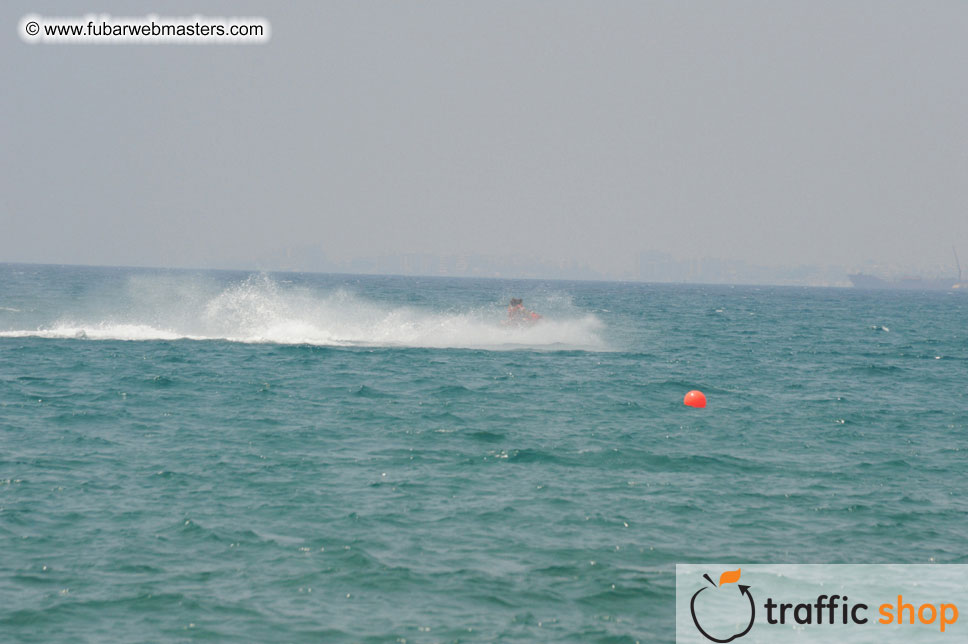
(729, 577)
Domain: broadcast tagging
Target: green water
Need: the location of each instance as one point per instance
(296, 458)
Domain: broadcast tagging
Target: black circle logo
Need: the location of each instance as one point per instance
(743, 590)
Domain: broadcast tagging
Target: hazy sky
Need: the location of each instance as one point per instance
(776, 132)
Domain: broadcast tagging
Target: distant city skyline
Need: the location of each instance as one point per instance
(652, 267)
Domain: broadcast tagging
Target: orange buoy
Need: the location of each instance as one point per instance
(695, 398)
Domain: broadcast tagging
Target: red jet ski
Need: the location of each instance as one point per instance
(520, 316)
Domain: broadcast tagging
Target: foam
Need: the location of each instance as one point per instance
(260, 310)
(99, 332)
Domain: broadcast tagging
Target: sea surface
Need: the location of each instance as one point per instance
(248, 457)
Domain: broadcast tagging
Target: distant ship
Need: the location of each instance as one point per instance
(861, 280)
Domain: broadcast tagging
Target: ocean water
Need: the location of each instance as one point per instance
(218, 456)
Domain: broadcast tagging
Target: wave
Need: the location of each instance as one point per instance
(261, 310)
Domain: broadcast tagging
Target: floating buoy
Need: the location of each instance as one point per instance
(695, 398)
